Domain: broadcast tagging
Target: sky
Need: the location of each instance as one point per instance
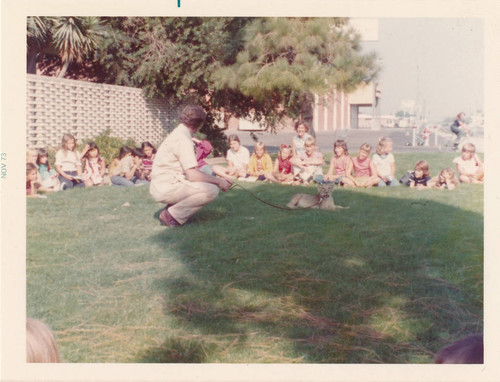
(438, 62)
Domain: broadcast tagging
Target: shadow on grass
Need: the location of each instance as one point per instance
(388, 281)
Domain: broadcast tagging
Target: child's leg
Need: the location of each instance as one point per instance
(220, 171)
(270, 177)
(464, 178)
(67, 183)
(346, 182)
(121, 181)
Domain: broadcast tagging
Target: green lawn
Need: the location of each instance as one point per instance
(390, 280)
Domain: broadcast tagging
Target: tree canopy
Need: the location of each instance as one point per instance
(266, 68)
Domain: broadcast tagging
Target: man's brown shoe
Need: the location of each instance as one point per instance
(167, 219)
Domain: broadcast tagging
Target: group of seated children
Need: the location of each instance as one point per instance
(469, 167)
(302, 163)
(86, 168)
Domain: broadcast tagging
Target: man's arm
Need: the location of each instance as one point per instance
(195, 175)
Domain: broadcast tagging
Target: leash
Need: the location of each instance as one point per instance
(271, 204)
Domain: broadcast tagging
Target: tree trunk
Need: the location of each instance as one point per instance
(64, 69)
(31, 63)
(306, 111)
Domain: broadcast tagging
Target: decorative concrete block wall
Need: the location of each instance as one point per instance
(55, 106)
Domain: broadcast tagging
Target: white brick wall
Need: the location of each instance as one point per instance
(55, 106)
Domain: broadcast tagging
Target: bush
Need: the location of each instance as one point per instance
(109, 146)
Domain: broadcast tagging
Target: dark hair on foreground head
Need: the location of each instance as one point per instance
(124, 150)
(138, 152)
(192, 116)
(466, 350)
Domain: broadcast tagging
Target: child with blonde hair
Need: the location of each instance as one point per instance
(237, 158)
(469, 166)
(384, 163)
(260, 164)
(68, 163)
(310, 163)
(40, 344)
(364, 171)
(445, 180)
(283, 166)
(32, 185)
(340, 168)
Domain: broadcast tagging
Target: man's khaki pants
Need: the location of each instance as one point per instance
(186, 197)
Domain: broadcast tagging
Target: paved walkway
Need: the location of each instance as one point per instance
(355, 138)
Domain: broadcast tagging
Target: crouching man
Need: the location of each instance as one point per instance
(175, 178)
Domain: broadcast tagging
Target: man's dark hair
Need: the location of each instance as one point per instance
(192, 116)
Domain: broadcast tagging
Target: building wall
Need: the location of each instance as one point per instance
(55, 106)
(331, 112)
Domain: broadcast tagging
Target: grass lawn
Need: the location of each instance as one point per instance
(390, 280)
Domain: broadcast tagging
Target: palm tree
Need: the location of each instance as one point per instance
(70, 38)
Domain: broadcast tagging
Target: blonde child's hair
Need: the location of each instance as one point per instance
(449, 171)
(65, 139)
(341, 143)
(283, 147)
(31, 152)
(424, 167)
(40, 343)
(469, 147)
(260, 145)
(382, 144)
(365, 147)
(310, 141)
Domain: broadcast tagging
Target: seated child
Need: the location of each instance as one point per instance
(140, 174)
(469, 166)
(282, 171)
(149, 156)
(419, 177)
(384, 163)
(32, 185)
(94, 166)
(68, 163)
(237, 158)
(298, 141)
(124, 174)
(340, 168)
(445, 179)
(32, 157)
(310, 163)
(364, 172)
(203, 150)
(48, 176)
(260, 164)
